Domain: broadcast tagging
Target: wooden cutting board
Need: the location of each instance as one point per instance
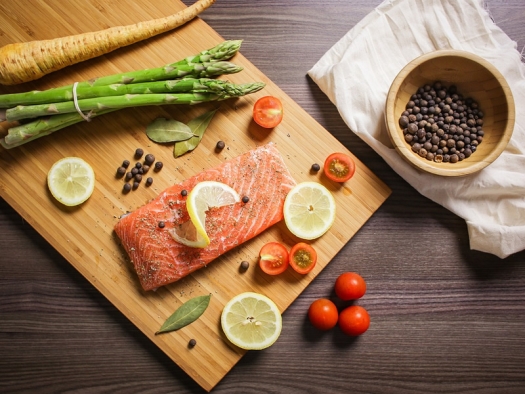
(84, 235)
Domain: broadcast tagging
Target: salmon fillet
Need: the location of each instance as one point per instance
(259, 174)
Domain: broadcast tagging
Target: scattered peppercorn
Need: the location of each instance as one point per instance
(245, 265)
(121, 171)
(192, 343)
(245, 199)
(220, 145)
(136, 172)
(162, 224)
(441, 125)
(149, 159)
(184, 192)
(315, 167)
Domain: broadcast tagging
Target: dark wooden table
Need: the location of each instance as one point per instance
(444, 318)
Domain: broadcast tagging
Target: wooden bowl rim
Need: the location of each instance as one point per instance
(403, 148)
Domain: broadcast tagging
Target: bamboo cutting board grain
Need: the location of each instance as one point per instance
(84, 235)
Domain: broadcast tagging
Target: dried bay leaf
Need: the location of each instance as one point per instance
(187, 313)
(164, 130)
(197, 126)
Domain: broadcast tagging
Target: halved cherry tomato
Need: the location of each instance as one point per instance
(273, 258)
(339, 167)
(323, 314)
(350, 286)
(303, 258)
(354, 320)
(268, 112)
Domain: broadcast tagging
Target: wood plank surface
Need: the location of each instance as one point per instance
(84, 235)
(444, 318)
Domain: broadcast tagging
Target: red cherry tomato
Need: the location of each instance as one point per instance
(268, 112)
(350, 286)
(323, 314)
(273, 258)
(354, 320)
(339, 167)
(303, 258)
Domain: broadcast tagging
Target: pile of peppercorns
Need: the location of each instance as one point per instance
(133, 176)
(440, 125)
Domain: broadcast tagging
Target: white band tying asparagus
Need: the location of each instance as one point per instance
(75, 101)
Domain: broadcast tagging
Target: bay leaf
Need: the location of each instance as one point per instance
(164, 130)
(187, 313)
(197, 126)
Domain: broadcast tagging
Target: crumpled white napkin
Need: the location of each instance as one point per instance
(358, 70)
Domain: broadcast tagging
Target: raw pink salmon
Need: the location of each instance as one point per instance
(260, 174)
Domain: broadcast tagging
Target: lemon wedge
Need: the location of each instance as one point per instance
(309, 210)
(251, 321)
(205, 195)
(71, 180)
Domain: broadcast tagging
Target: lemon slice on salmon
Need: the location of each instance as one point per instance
(309, 210)
(205, 195)
(251, 321)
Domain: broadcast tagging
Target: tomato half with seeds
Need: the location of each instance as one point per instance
(273, 258)
(268, 112)
(303, 258)
(339, 167)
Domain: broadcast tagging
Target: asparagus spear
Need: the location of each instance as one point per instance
(200, 85)
(27, 132)
(146, 95)
(19, 135)
(65, 93)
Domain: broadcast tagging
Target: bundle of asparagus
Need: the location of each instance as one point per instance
(188, 81)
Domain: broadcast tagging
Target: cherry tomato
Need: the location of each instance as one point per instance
(354, 320)
(273, 258)
(268, 112)
(339, 167)
(303, 258)
(323, 314)
(350, 286)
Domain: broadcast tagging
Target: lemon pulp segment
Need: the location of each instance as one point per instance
(71, 180)
(251, 321)
(309, 210)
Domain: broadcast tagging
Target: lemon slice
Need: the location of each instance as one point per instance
(251, 321)
(205, 195)
(309, 210)
(71, 181)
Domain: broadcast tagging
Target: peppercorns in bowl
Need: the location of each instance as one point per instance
(450, 113)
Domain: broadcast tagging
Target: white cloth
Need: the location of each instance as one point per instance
(358, 70)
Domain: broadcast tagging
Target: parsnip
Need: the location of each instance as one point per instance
(24, 62)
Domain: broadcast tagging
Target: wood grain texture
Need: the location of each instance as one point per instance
(444, 318)
(84, 235)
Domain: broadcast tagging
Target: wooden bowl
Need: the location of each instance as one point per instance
(475, 78)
